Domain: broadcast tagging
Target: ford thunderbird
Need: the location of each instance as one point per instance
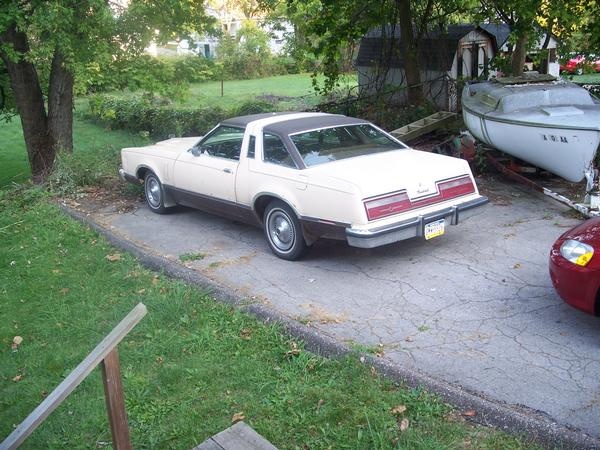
(305, 176)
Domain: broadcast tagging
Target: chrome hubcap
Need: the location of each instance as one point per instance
(281, 230)
(153, 192)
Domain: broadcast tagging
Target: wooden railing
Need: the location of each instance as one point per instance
(105, 353)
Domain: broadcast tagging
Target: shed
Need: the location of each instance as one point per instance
(460, 52)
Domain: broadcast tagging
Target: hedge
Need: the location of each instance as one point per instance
(161, 119)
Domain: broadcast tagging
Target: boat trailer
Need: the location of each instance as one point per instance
(590, 207)
(467, 147)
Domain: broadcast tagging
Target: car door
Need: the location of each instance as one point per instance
(210, 167)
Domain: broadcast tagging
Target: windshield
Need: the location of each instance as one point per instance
(332, 144)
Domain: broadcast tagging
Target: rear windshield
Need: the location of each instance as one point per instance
(332, 144)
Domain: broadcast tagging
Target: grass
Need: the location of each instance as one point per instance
(13, 157)
(592, 78)
(292, 91)
(189, 366)
(95, 153)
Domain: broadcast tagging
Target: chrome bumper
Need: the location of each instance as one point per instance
(411, 228)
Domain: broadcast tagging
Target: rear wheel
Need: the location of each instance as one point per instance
(154, 193)
(283, 232)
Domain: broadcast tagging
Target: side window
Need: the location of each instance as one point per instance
(251, 146)
(224, 142)
(275, 152)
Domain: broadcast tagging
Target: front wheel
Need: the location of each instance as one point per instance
(283, 232)
(154, 193)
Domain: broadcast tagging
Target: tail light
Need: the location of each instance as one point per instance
(455, 188)
(398, 202)
(387, 206)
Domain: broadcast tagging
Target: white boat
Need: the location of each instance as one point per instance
(554, 125)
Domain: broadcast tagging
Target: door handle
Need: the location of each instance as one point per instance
(227, 170)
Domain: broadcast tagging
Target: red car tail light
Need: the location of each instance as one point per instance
(387, 206)
(456, 188)
(398, 202)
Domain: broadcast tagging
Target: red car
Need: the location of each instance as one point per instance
(575, 65)
(575, 266)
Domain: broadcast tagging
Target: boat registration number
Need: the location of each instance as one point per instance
(434, 229)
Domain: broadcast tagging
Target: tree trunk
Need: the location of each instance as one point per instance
(518, 56)
(409, 48)
(60, 104)
(30, 105)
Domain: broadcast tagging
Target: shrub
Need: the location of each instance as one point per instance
(166, 75)
(160, 118)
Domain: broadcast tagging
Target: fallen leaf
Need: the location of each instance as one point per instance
(409, 339)
(155, 280)
(320, 403)
(246, 333)
(159, 360)
(17, 340)
(114, 257)
(470, 413)
(18, 378)
(373, 371)
(404, 424)
(141, 291)
(237, 417)
(398, 409)
(517, 266)
(294, 351)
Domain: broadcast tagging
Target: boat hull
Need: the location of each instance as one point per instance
(562, 139)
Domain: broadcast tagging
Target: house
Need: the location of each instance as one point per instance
(447, 58)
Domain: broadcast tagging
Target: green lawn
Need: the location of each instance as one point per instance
(592, 78)
(13, 157)
(294, 91)
(95, 150)
(189, 366)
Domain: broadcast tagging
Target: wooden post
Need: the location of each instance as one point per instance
(115, 401)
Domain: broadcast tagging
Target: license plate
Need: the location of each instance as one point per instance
(434, 229)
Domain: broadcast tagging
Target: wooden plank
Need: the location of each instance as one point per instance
(73, 380)
(115, 402)
(237, 437)
(422, 126)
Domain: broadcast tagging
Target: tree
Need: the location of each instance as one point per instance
(530, 19)
(327, 27)
(43, 43)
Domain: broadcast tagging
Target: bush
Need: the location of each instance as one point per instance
(166, 75)
(160, 118)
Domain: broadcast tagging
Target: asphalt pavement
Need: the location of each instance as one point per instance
(471, 315)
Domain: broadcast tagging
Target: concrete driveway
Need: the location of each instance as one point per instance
(474, 308)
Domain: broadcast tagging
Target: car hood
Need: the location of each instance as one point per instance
(173, 145)
(381, 173)
(587, 231)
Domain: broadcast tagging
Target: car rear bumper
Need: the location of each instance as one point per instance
(577, 286)
(377, 237)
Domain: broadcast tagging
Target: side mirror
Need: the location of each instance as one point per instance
(196, 151)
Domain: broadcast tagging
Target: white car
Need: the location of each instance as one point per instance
(305, 176)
